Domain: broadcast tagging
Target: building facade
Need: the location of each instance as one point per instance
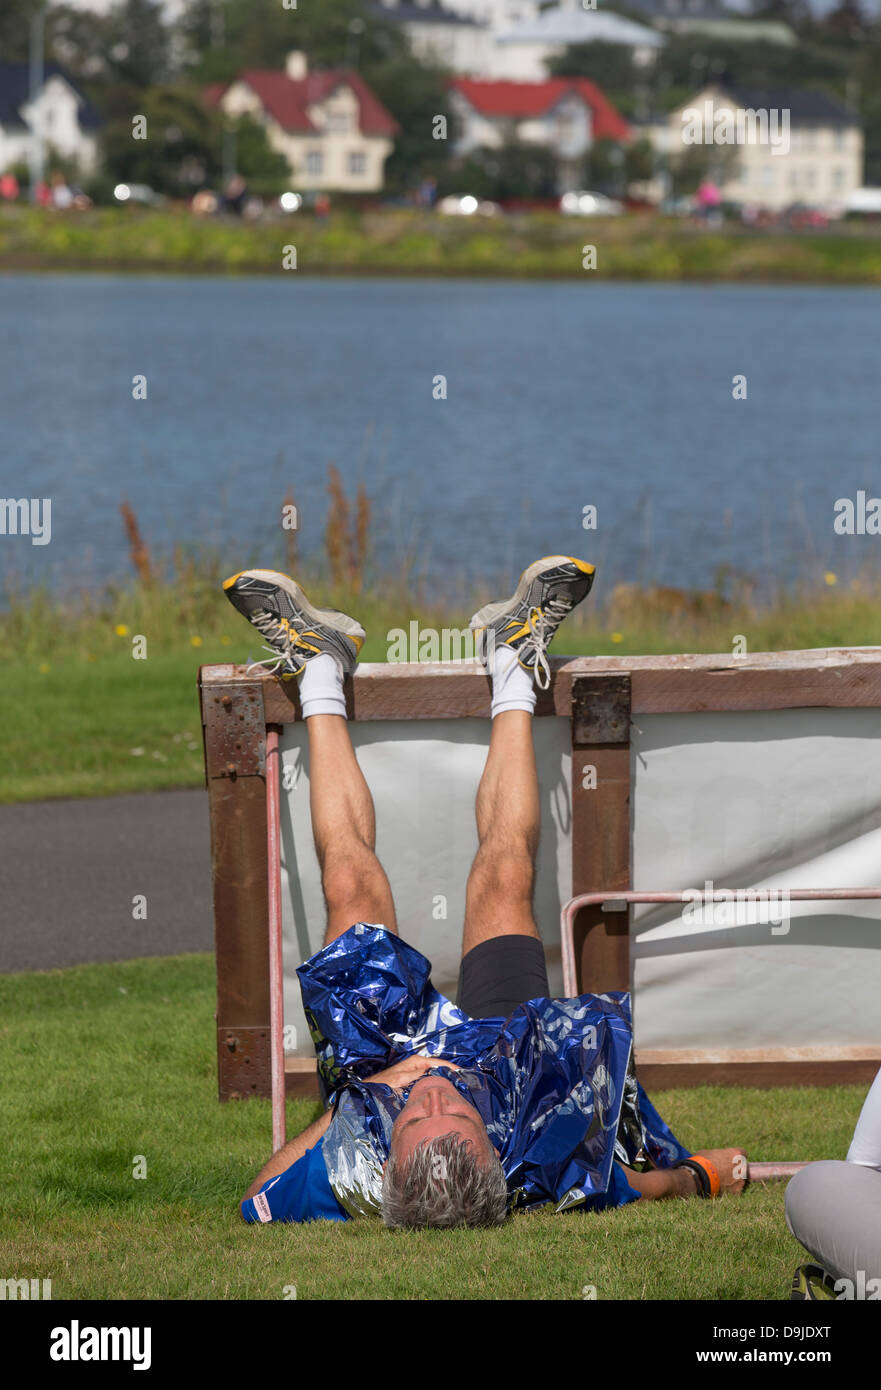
(566, 115)
(334, 133)
(65, 121)
(789, 146)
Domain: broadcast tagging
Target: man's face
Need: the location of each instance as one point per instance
(435, 1108)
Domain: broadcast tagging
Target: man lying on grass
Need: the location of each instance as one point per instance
(444, 1115)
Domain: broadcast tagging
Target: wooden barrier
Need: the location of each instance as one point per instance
(600, 696)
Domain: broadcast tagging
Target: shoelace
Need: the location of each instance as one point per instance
(270, 627)
(540, 633)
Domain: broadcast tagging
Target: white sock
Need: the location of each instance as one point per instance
(513, 687)
(321, 687)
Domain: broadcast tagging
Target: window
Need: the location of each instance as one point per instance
(838, 180)
(339, 121)
(314, 162)
(840, 139)
(357, 162)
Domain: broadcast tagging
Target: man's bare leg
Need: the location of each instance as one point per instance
(354, 882)
(498, 899)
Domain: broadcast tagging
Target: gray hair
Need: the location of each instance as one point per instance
(444, 1183)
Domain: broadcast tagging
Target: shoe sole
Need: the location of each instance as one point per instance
(491, 611)
(322, 617)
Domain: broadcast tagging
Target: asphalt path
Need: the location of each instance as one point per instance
(70, 871)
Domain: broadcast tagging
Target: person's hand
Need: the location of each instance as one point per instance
(404, 1073)
(732, 1165)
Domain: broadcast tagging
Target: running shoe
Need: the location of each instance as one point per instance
(295, 631)
(812, 1284)
(527, 622)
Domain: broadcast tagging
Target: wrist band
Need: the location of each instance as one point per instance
(707, 1173)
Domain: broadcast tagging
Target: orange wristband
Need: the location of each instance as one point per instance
(711, 1171)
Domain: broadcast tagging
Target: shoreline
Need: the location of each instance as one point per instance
(409, 245)
(36, 265)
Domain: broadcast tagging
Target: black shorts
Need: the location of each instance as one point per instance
(501, 973)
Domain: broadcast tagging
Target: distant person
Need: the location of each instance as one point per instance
(61, 193)
(428, 192)
(445, 1115)
(9, 187)
(322, 207)
(235, 195)
(833, 1208)
(708, 202)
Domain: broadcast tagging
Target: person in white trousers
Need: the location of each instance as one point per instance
(834, 1209)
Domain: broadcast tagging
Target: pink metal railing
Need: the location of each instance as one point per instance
(629, 895)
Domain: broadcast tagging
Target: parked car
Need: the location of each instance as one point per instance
(800, 215)
(466, 205)
(578, 202)
(138, 193)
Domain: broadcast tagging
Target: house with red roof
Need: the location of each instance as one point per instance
(334, 133)
(565, 114)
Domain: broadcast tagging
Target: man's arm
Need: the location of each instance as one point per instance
(293, 1150)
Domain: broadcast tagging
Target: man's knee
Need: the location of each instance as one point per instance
(808, 1192)
(833, 1208)
(504, 872)
(352, 878)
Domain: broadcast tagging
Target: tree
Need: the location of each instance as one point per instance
(414, 95)
(609, 65)
(516, 170)
(225, 36)
(183, 148)
(15, 29)
(639, 161)
(846, 21)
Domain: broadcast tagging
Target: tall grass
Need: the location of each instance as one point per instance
(177, 602)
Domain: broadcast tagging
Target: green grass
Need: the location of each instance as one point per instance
(392, 241)
(103, 1063)
(83, 717)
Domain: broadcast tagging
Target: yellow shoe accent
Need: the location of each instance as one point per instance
(228, 583)
(579, 564)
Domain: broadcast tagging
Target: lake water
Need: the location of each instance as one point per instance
(560, 396)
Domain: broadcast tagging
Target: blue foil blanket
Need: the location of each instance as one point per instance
(554, 1083)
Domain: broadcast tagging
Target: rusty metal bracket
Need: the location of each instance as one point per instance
(601, 709)
(244, 1063)
(235, 730)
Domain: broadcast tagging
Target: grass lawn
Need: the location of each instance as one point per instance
(406, 241)
(104, 1063)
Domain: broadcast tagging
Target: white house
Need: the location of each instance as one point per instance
(564, 114)
(511, 38)
(524, 50)
(441, 35)
(61, 115)
(331, 129)
(771, 148)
